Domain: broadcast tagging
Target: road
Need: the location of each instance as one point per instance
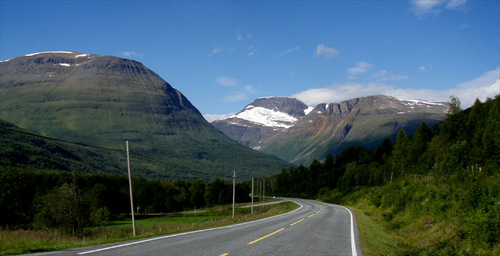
(314, 229)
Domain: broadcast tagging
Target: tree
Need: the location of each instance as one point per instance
(384, 150)
(64, 208)
(218, 192)
(15, 197)
(454, 105)
(418, 146)
(454, 126)
(400, 153)
(197, 191)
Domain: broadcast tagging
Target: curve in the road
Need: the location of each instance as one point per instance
(314, 228)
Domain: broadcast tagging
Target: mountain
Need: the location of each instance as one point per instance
(329, 128)
(102, 101)
(262, 119)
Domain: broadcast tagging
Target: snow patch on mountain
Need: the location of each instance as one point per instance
(36, 53)
(422, 102)
(82, 55)
(266, 117)
(308, 110)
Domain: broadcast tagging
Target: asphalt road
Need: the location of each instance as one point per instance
(314, 229)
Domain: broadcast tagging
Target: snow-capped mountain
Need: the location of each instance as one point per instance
(286, 127)
(263, 118)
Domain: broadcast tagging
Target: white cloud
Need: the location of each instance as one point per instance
(464, 26)
(383, 75)
(422, 8)
(456, 4)
(487, 85)
(250, 89)
(288, 51)
(215, 51)
(326, 52)
(226, 81)
(236, 96)
(252, 51)
(212, 117)
(486, 80)
(242, 93)
(129, 54)
(340, 92)
(422, 69)
(240, 37)
(360, 68)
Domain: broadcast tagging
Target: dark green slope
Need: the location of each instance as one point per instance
(26, 150)
(103, 101)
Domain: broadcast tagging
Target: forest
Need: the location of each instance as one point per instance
(72, 202)
(441, 183)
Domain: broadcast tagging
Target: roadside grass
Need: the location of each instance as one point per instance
(427, 217)
(29, 241)
(374, 237)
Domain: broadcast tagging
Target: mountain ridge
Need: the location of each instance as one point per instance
(330, 127)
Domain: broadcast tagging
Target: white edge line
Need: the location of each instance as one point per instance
(353, 241)
(192, 232)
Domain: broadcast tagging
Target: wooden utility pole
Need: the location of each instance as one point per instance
(130, 188)
(252, 195)
(234, 190)
(264, 190)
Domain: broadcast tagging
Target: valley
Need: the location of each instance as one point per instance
(64, 118)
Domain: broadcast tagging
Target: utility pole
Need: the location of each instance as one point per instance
(261, 193)
(234, 189)
(264, 190)
(252, 195)
(130, 189)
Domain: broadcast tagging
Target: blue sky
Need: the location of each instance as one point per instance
(224, 54)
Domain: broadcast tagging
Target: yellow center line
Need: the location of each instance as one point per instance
(297, 222)
(225, 254)
(255, 241)
(311, 215)
(320, 208)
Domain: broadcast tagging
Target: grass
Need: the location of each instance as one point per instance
(428, 217)
(374, 237)
(30, 241)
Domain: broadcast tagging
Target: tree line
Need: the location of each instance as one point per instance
(73, 201)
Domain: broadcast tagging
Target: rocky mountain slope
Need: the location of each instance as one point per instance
(329, 128)
(103, 101)
(262, 119)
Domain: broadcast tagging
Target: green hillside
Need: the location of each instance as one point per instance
(102, 101)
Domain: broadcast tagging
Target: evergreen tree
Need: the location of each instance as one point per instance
(401, 154)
